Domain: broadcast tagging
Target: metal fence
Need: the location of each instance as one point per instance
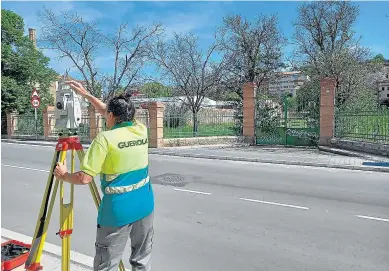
(83, 130)
(206, 123)
(369, 126)
(143, 117)
(27, 126)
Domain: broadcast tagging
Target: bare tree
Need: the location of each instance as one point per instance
(131, 53)
(82, 43)
(254, 49)
(327, 46)
(193, 72)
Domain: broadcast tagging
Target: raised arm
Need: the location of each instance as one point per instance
(97, 103)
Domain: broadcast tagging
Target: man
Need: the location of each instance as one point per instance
(120, 156)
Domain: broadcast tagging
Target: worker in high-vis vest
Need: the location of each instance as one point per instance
(120, 156)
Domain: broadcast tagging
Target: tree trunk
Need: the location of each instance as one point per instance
(195, 123)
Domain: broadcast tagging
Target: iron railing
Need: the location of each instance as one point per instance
(369, 126)
(143, 117)
(26, 125)
(83, 130)
(206, 123)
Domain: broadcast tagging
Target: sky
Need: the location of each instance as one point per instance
(201, 18)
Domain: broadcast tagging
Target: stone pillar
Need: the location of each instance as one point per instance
(12, 123)
(92, 122)
(327, 110)
(156, 111)
(249, 112)
(99, 123)
(46, 121)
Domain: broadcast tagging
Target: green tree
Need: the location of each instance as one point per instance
(379, 58)
(253, 49)
(23, 67)
(327, 46)
(155, 90)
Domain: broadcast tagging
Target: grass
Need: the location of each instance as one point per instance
(222, 129)
(204, 130)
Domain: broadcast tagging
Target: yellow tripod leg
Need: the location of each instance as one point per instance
(96, 198)
(92, 186)
(66, 218)
(33, 260)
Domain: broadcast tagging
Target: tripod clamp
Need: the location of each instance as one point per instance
(66, 143)
(66, 233)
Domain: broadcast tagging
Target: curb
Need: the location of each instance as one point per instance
(340, 152)
(352, 153)
(278, 162)
(230, 158)
(85, 144)
(36, 143)
(53, 250)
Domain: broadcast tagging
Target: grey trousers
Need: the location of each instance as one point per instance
(111, 242)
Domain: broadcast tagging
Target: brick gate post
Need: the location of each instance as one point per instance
(46, 121)
(156, 112)
(12, 122)
(249, 112)
(92, 122)
(327, 110)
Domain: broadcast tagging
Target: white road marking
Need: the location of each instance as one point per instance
(26, 168)
(373, 218)
(275, 203)
(30, 145)
(192, 191)
(48, 248)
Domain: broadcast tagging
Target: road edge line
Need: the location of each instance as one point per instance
(373, 218)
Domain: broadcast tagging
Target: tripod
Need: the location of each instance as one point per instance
(65, 143)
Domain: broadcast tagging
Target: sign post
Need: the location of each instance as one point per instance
(35, 102)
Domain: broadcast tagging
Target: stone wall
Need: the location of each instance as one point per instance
(201, 141)
(361, 146)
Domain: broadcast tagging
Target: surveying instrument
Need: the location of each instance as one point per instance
(68, 119)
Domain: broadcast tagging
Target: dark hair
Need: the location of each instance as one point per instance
(122, 108)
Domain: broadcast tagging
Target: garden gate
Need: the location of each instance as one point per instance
(291, 121)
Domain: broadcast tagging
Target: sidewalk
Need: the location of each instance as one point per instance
(330, 158)
(51, 256)
(322, 157)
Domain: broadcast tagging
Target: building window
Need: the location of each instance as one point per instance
(383, 88)
(387, 95)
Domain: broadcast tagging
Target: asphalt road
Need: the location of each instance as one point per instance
(223, 215)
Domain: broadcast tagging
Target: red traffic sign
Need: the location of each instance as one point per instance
(35, 101)
(34, 93)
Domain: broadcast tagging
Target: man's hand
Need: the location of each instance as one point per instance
(60, 170)
(78, 87)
